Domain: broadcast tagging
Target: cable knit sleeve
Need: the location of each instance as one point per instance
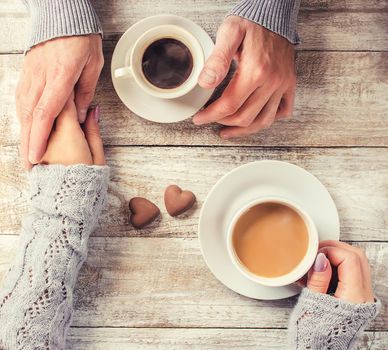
(56, 18)
(322, 322)
(279, 16)
(36, 294)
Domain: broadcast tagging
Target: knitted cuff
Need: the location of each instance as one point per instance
(56, 18)
(76, 192)
(279, 16)
(321, 321)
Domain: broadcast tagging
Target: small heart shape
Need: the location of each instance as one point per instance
(178, 201)
(143, 212)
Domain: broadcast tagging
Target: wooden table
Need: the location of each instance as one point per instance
(150, 289)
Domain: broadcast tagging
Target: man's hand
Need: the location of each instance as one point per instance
(51, 72)
(263, 86)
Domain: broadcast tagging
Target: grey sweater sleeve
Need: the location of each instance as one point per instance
(36, 294)
(56, 18)
(323, 322)
(279, 16)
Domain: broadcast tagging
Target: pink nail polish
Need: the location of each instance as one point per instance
(96, 114)
(321, 263)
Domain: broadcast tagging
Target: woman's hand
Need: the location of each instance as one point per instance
(70, 143)
(354, 276)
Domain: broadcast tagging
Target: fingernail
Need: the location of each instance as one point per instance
(82, 114)
(96, 114)
(33, 157)
(224, 136)
(321, 263)
(208, 76)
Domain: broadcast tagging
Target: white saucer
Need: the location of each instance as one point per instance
(244, 184)
(144, 105)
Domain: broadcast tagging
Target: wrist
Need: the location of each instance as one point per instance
(278, 16)
(76, 192)
(52, 19)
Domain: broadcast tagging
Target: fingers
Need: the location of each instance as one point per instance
(320, 275)
(350, 276)
(248, 112)
(363, 261)
(86, 87)
(67, 119)
(26, 99)
(264, 120)
(229, 38)
(286, 107)
(93, 137)
(51, 102)
(235, 94)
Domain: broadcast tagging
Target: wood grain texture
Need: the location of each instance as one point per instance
(323, 24)
(164, 282)
(201, 339)
(356, 178)
(341, 101)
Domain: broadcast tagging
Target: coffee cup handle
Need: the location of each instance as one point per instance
(124, 72)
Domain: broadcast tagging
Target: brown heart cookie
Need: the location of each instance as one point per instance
(143, 212)
(178, 201)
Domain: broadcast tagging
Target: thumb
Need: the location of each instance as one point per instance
(229, 38)
(320, 275)
(93, 137)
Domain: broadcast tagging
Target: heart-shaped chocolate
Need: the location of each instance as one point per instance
(178, 201)
(143, 212)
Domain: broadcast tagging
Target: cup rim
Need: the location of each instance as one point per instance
(196, 51)
(304, 265)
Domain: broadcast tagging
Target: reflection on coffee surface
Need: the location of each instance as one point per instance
(167, 63)
(270, 239)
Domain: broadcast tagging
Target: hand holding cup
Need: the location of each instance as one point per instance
(354, 275)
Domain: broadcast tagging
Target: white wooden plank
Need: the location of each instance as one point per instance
(323, 25)
(203, 339)
(164, 282)
(356, 178)
(341, 101)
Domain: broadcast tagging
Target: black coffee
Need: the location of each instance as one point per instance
(167, 63)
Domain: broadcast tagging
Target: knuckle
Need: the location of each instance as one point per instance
(244, 122)
(258, 74)
(60, 70)
(25, 114)
(228, 108)
(231, 27)
(276, 79)
(316, 284)
(41, 113)
(361, 254)
(354, 258)
(220, 61)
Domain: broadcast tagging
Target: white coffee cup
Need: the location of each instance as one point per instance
(134, 56)
(304, 265)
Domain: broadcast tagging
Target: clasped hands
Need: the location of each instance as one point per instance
(261, 90)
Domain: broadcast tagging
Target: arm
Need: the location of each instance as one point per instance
(36, 295)
(64, 55)
(57, 18)
(279, 16)
(320, 321)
